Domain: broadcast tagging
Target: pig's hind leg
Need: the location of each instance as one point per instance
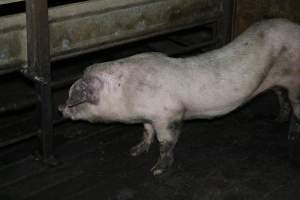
(167, 133)
(146, 142)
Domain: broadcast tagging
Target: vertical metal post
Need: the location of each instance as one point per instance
(39, 69)
(229, 7)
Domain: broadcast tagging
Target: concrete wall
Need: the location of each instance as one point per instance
(251, 11)
(87, 26)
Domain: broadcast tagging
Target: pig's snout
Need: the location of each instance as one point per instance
(64, 111)
(61, 108)
(68, 112)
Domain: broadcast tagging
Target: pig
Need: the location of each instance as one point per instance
(161, 92)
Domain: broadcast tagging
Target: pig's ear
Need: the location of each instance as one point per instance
(77, 94)
(85, 90)
(93, 88)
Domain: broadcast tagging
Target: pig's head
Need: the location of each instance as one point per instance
(83, 96)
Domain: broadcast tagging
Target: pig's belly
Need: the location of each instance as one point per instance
(209, 113)
(214, 107)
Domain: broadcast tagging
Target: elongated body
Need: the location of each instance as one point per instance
(161, 92)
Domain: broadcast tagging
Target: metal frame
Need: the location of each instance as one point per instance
(229, 19)
(39, 70)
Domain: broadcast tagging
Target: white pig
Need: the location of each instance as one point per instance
(161, 92)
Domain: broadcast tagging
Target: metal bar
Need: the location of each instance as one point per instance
(192, 48)
(17, 106)
(9, 125)
(229, 17)
(234, 20)
(18, 139)
(38, 51)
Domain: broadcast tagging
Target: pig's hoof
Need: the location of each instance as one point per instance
(162, 166)
(139, 149)
(157, 172)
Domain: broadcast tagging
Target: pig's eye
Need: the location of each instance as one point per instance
(76, 98)
(83, 94)
(75, 104)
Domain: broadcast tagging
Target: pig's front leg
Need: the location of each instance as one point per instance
(146, 142)
(167, 134)
(284, 105)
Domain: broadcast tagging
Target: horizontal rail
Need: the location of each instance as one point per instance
(17, 106)
(18, 139)
(190, 49)
(2, 2)
(31, 102)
